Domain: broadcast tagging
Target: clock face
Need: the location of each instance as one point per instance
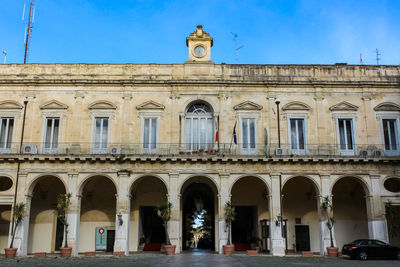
(199, 51)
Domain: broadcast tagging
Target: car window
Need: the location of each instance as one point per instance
(369, 242)
(379, 243)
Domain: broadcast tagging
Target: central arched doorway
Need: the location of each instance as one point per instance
(199, 211)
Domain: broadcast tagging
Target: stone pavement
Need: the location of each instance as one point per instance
(193, 260)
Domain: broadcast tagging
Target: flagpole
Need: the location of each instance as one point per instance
(232, 136)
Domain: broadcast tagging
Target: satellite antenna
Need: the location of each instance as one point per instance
(378, 53)
(5, 56)
(237, 48)
(28, 28)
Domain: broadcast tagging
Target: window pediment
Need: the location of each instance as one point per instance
(344, 106)
(53, 104)
(296, 105)
(9, 104)
(150, 105)
(102, 104)
(387, 106)
(247, 105)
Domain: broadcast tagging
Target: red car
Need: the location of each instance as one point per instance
(364, 249)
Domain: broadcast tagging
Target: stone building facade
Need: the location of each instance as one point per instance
(121, 138)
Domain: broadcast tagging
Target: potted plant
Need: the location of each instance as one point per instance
(327, 207)
(18, 215)
(230, 214)
(63, 202)
(164, 212)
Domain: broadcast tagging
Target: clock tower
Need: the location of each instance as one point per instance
(199, 44)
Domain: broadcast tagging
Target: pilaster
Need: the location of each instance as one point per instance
(277, 240)
(325, 240)
(73, 215)
(223, 197)
(122, 217)
(174, 226)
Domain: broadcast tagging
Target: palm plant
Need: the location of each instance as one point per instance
(164, 212)
(63, 202)
(230, 214)
(327, 207)
(18, 215)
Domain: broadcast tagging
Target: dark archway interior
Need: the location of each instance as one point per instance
(195, 194)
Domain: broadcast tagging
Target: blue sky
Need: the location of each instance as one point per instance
(150, 31)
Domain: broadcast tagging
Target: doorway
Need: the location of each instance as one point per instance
(198, 217)
(244, 227)
(302, 237)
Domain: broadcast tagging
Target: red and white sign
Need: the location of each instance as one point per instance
(101, 231)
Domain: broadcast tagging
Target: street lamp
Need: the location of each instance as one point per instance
(277, 102)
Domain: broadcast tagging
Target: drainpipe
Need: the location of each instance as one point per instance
(19, 163)
(277, 102)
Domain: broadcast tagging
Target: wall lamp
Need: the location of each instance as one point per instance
(120, 221)
(278, 220)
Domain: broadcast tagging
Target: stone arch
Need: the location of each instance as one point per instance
(313, 181)
(38, 178)
(200, 99)
(45, 232)
(203, 177)
(387, 106)
(87, 178)
(362, 182)
(350, 208)
(256, 176)
(137, 180)
(10, 104)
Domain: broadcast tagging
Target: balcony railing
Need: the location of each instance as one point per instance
(190, 150)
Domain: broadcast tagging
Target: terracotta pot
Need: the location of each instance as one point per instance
(228, 249)
(65, 252)
(10, 252)
(40, 254)
(170, 249)
(332, 251)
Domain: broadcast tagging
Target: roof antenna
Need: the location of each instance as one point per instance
(361, 59)
(378, 53)
(237, 48)
(28, 29)
(5, 56)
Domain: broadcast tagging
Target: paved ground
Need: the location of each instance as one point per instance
(193, 260)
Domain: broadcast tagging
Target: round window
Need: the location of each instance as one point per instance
(392, 185)
(5, 183)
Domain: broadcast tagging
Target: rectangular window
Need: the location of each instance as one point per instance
(100, 140)
(6, 131)
(248, 135)
(390, 135)
(297, 136)
(199, 133)
(346, 136)
(51, 135)
(149, 134)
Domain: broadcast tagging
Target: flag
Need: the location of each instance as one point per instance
(234, 134)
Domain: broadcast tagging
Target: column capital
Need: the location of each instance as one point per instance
(275, 174)
(224, 174)
(374, 176)
(174, 174)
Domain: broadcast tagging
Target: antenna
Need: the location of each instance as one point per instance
(361, 59)
(28, 29)
(5, 56)
(377, 56)
(235, 36)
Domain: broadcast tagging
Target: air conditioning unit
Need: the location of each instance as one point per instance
(378, 153)
(364, 153)
(30, 149)
(280, 151)
(115, 150)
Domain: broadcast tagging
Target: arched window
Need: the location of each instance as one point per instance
(199, 127)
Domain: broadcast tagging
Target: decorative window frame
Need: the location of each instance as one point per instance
(247, 114)
(345, 110)
(380, 116)
(101, 109)
(53, 109)
(11, 109)
(304, 117)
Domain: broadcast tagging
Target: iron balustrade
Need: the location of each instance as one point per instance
(216, 149)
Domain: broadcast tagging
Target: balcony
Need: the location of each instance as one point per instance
(202, 150)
